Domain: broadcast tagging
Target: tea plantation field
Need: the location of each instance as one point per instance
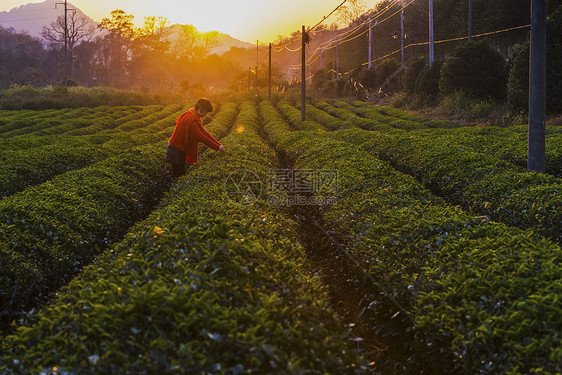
(364, 240)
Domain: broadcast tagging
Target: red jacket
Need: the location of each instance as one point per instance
(188, 133)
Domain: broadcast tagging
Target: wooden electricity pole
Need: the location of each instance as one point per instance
(469, 20)
(269, 72)
(370, 40)
(338, 59)
(65, 41)
(537, 88)
(402, 38)
(303, 76)
(431, 39)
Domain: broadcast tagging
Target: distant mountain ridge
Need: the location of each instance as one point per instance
(32, 17)
(225, 40)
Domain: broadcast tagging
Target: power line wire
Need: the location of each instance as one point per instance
(317, 24)
(326, 45)
(426, 43)
(325, 17)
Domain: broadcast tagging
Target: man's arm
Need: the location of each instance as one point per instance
(204, 136)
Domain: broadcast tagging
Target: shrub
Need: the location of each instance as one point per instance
(412, 73)
(368, 78)
(475, 68)
(387, 74)
(427, 82)
(518, 81)
(518, 84)
(456, 102)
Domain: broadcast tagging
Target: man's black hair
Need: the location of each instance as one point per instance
(205, 105)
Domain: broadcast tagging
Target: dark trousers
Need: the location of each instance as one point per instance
(177, 159)
(178, 170)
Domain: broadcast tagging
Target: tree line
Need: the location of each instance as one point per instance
(124, 56)
(117, 54)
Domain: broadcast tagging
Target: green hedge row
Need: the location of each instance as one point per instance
(28, 166)
(22, 119)
(483, 183)
(205, 285)
(25, 141)
(85, 121)
(453, 293)
(22, 168)
(293, 116)
(27, 124)
(326, 119)
(508, 144)
(146, 120)
(349, 116)
(452, 166)
(505, 143)
(469, 177)
(400, 114)
(50, 231)
(114, 120)
(374, 113)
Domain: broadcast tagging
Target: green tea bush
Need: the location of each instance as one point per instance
(204, 285)
(115, 120)
(29, 161)
(475, 179)
(379, 114)
(29, 97)
(293, 116)
(453, 293)
(51, 230)
(28, 118)
(326, 119)
(350, 117)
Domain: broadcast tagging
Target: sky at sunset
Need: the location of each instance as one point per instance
(248, 20)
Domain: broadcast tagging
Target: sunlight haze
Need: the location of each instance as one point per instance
(247, 20)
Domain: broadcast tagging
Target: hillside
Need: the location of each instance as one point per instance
(225, 41)
(31, 18)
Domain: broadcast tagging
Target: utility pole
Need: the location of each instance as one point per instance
(338, 59)
(402, 38)
(334, 65)
(65, 44)
(303, 76)
(469, 20)
(257, 61)
(431, 40)
(269, 85)
(370, 40)
(537, 88)
(65, 41)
